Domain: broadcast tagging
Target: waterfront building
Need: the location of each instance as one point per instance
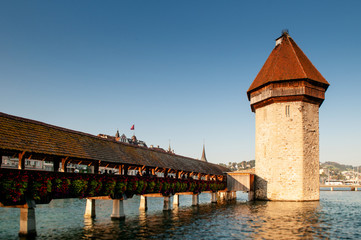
(285, 97)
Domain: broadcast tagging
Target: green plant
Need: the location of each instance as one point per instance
(79, 187)
(94, 187)
(150, 187)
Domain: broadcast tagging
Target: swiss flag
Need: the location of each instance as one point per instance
(132, 128)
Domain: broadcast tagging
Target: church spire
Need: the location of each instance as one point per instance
(203, 158)
(117, 135)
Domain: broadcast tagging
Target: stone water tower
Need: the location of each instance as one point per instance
(285, 97)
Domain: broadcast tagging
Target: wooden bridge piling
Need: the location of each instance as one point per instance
(213, 197)
(90, 208)
(118, 210)
(176, 200)
(143, 203)
(27, 222)
(195, 199)
(166, 205)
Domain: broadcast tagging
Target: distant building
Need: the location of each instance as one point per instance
(133, 140)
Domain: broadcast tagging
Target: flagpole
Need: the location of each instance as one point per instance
(133, 129)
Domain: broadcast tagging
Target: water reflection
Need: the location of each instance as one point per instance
(335, 217)
(285, 220)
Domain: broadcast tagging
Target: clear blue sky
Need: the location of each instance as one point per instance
(178, 70)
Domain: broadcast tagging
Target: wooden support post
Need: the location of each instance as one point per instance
(166, 205)
(195, 200)
(214, 197)
(118, 210)
(126, 167)
(143, 203)
(176, 200)
(56, 163)
(64, 163)
(27, 222)
(21, 164)
(96, 167)
(90, 208)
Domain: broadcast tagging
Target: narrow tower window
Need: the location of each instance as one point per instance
(287, 110)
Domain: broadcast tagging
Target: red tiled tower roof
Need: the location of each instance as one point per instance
(287, 62)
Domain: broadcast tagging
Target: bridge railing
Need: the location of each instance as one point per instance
(18, 186)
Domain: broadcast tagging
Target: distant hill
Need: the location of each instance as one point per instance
(238, 166)
(336, 166)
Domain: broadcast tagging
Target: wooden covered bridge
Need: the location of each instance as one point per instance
(158, 173)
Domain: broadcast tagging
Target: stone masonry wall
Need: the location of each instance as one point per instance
(287, 159)
(311, 168)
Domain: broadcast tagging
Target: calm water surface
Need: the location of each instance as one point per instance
(336, 216)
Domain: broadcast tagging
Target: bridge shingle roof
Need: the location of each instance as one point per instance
(21, 134)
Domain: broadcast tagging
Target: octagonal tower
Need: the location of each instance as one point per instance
(286, 96)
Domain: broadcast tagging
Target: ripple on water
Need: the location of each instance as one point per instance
(336, 216)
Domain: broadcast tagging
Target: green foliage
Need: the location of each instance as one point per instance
(120, 187)
(13, 189)
(94, 187)
(150, 186)
(158, 187)
(42, 187)
(166, 186)
(132, 185)
(141, 186)
(109, 187)
(192, 186)
(78, 187)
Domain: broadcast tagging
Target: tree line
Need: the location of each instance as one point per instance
(238, 166)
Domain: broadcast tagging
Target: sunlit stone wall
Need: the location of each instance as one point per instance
(287, 151)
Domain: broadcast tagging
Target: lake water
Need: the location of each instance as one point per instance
(336, 216)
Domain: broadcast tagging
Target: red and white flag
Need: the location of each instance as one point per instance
(132, 128)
